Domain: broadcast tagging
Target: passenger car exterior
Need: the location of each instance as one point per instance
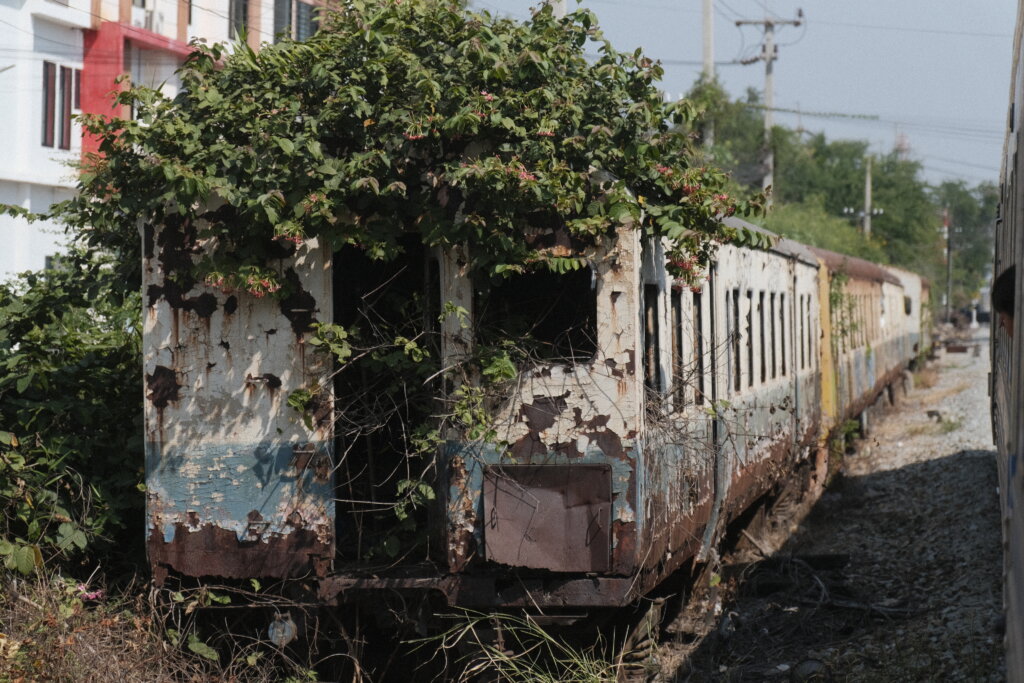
(610, 470)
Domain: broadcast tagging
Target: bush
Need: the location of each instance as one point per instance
(70, 414)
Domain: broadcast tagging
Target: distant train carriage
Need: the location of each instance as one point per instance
(651, 415)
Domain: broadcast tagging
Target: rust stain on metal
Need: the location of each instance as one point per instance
(299, 307)
(163, 386)
(212, 551)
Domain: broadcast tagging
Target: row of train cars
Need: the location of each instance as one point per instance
(664, 413)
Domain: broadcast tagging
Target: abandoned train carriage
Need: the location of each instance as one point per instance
(662, 416)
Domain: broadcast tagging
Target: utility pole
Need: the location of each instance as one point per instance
(769, 53)
(709, 65)
(867, 198)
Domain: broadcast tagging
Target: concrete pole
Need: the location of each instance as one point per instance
(709, 65)
(709, 40)
(769, 105)
(867, 197)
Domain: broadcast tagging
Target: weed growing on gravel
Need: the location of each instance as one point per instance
(512, 648)
(948, 426)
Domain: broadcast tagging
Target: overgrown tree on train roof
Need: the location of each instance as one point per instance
(406, 116)
(398, 119)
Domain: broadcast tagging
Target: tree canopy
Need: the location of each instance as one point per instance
(819, 193)
(406, 116)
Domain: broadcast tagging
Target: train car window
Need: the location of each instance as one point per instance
(800, 331)
(750, 338)
(771, 317)
(554, 316)
(810, 334)
(678, 380)
(760, 321)
(652, 350)
(782, 332)
(735, 339)
(908, 305)
(698, 344)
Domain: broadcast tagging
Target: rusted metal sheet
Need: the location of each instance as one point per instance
(237, 484)
(555, 517)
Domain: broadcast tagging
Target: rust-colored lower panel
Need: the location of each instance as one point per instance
(212, 551)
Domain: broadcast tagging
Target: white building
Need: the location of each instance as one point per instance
(62, 57)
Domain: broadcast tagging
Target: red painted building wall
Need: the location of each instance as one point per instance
(104, 60)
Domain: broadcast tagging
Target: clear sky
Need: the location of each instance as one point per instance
(934, 71)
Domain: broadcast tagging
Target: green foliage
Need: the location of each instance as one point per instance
(401, 117)
(810, 223)
(972, 213)
(70, 406)
(818, 182)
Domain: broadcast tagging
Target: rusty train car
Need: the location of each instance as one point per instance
(1006, 389)
(664, 412)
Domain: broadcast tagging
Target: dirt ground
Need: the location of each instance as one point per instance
(895, 573)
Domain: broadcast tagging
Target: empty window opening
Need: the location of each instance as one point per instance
(750, 338)
(782, 332)
(652, 352)
(678, 371)
(810, 334)
(800, 318)
(552, 316)
(771, 317)
(734, 336)
(760, 321)
(698, 344)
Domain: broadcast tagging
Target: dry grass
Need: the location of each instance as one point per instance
(942, 394)
(926, 377)
(55, 629)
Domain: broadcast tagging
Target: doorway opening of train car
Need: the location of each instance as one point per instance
(387, 390)
(392, 393)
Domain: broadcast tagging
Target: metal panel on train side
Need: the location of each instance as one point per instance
(237, 484)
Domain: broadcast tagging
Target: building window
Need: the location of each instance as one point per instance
(49, 102)
(66, 87)
(238, 17)
(60, 98)
(294, 19)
